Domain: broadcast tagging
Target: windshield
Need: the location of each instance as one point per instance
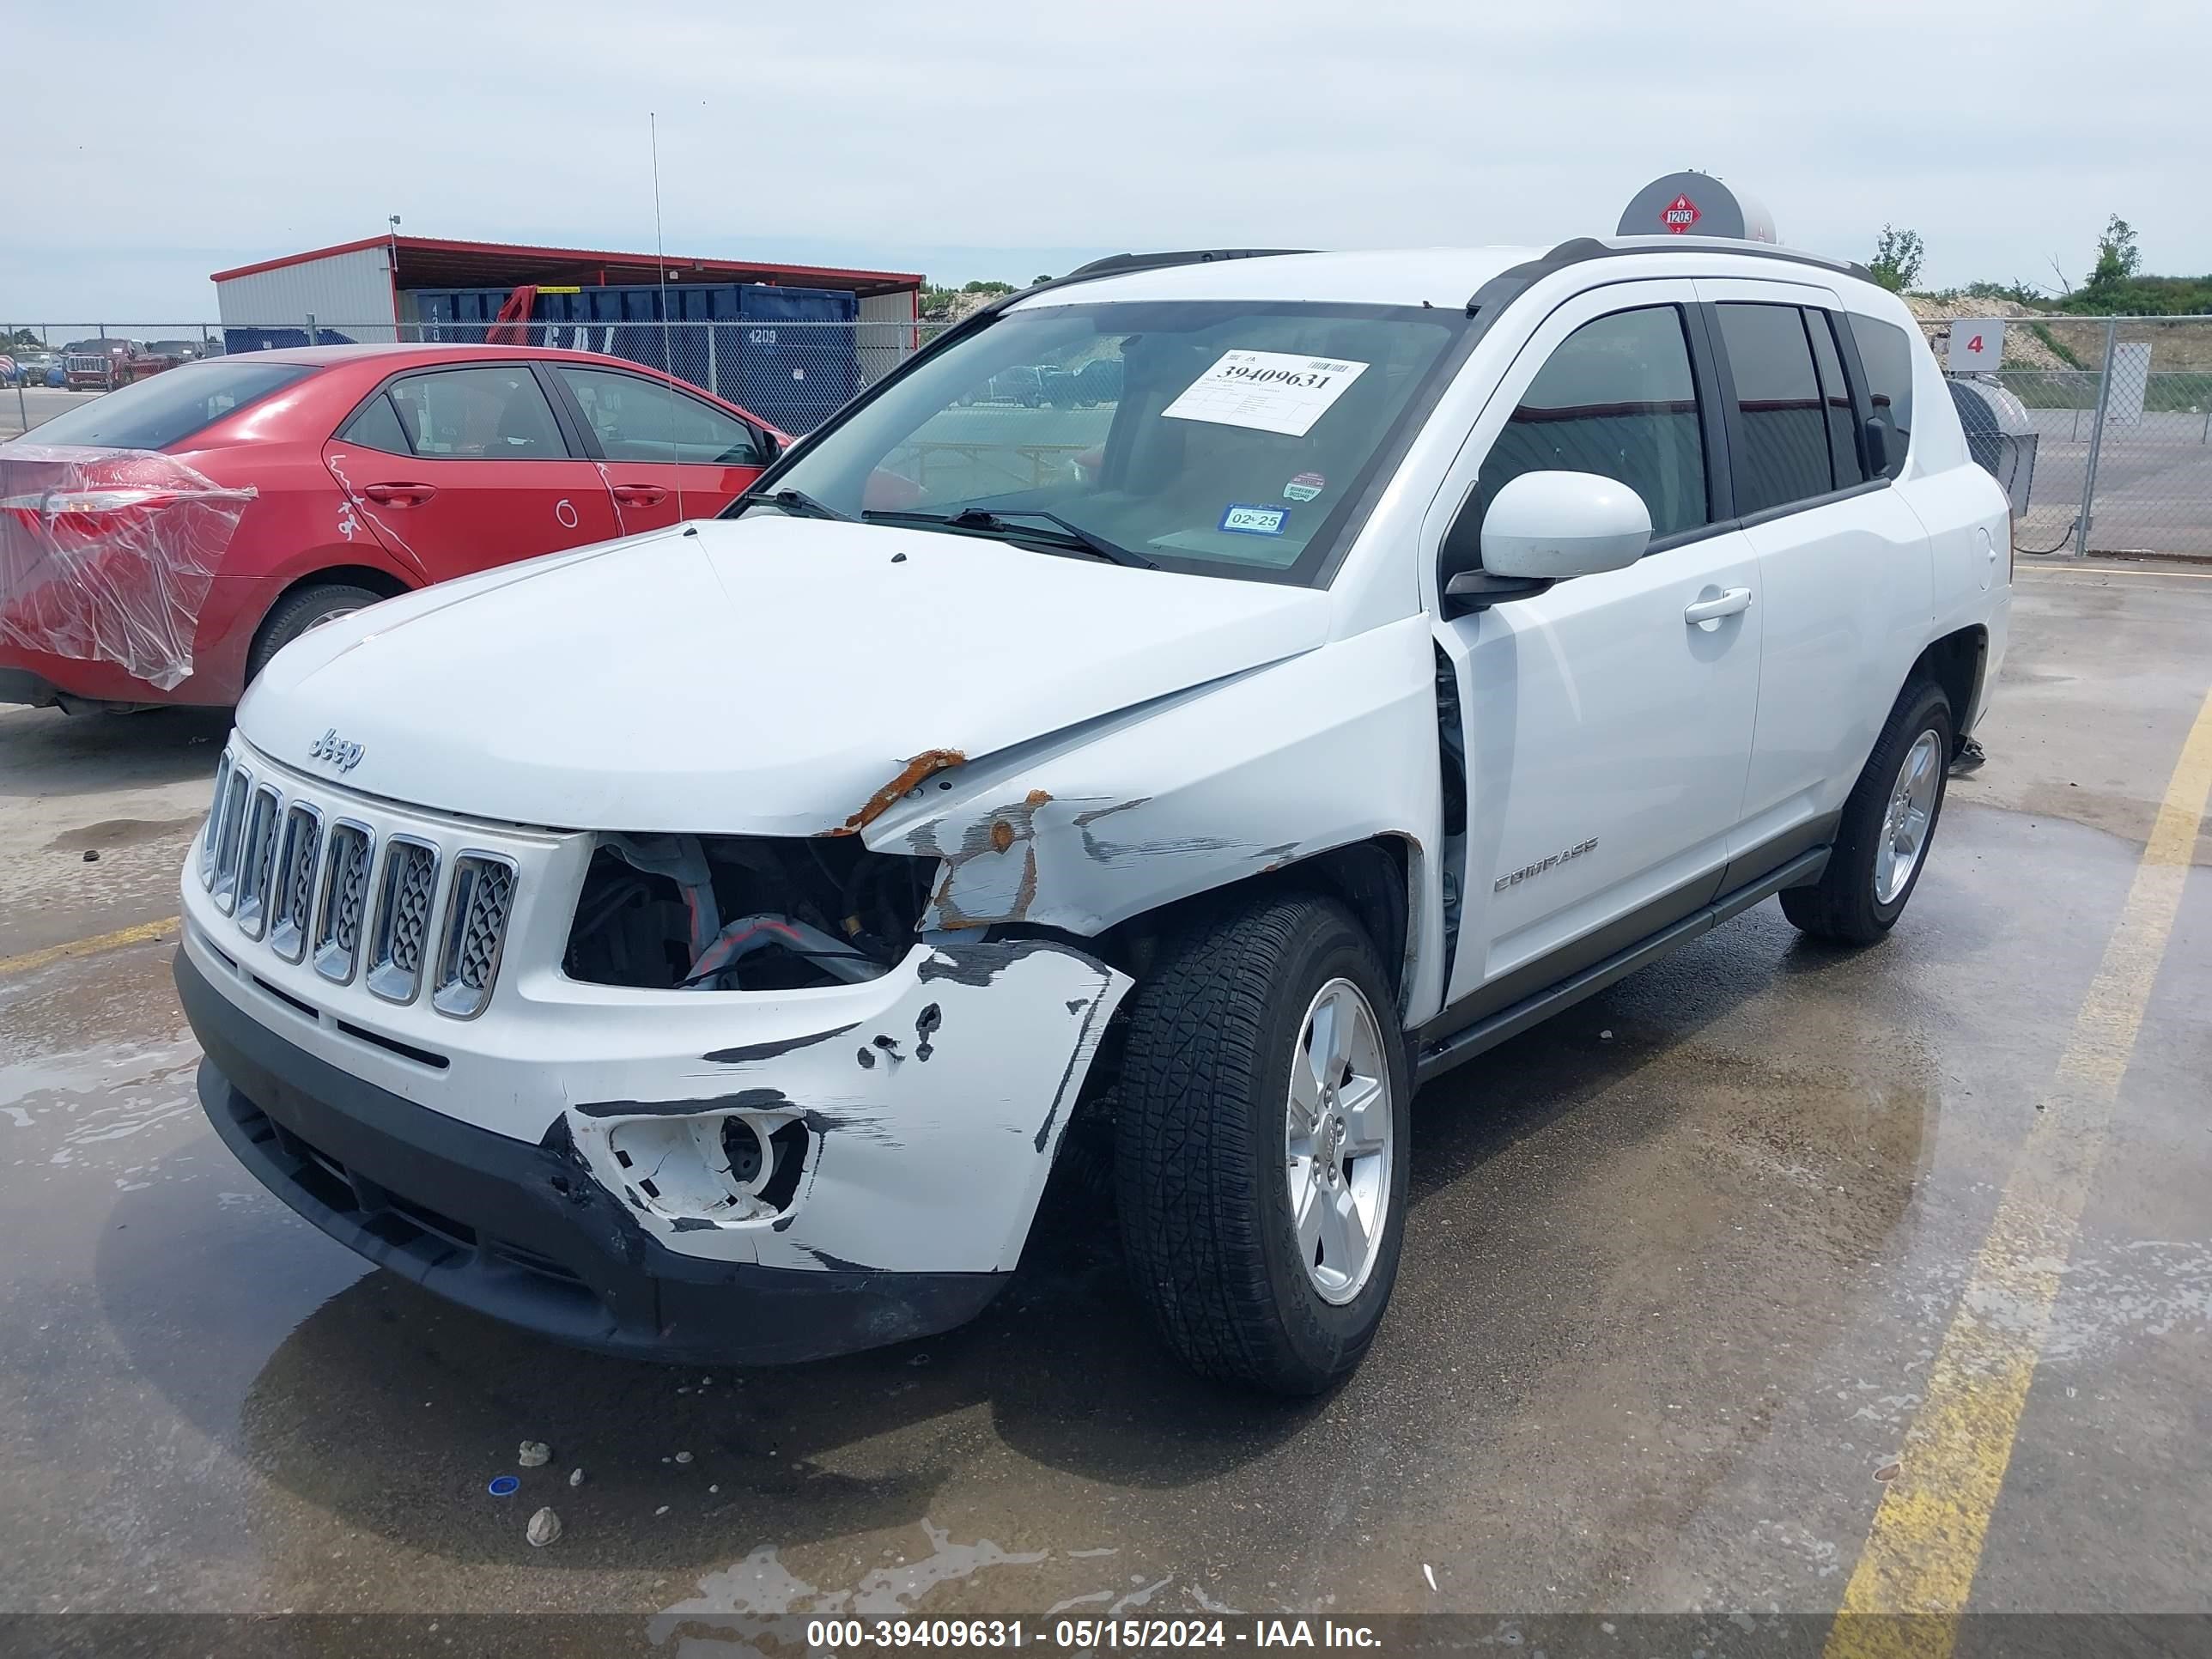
(1223, 438)
(156, 413)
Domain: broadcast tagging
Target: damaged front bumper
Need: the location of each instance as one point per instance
(651, 1171)
(923, 1169)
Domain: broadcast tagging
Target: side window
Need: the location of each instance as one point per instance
(1885, 354)
(1617, 398)
(639, 420)
(1785, 433)
(1836, 396)
(377, 427)
(495, 413)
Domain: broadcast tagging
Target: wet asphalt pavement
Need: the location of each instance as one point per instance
(1677, 1265)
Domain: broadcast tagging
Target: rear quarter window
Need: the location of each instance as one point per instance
(376, 427)
(1886, 357)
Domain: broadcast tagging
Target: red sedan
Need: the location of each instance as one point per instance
(161, 544)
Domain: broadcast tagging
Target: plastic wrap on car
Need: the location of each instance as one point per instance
(107, 554)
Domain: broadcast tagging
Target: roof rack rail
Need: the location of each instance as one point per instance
(1115, 265)
(1507, 283)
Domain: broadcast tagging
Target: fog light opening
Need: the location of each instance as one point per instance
(747, 1152)
(718, 1167)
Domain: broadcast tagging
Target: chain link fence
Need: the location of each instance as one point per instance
(2120, 407)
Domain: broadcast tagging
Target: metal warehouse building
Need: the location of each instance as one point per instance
(357, 288)
(790, 342)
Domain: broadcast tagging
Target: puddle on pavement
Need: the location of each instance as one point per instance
(84, 1066)
(359, 1400)
(111, 833)
(1626, 1250)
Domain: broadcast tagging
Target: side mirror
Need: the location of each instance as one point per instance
(1541, 528)
(1548, 526)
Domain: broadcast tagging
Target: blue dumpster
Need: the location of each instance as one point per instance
(789, 354)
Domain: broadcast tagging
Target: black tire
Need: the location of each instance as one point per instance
(1203, 1104)
(1845, 904)
(296, 612)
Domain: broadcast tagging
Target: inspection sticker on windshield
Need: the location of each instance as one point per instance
(1256, 520)
(1267, 391)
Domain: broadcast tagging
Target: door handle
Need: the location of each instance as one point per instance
(640, 495)
(399, 494)
(1733, 601)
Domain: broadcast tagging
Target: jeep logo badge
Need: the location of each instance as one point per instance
(334, 749)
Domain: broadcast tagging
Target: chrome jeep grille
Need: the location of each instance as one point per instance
(361, 898)
(257, 858)
(292, 902)
(476, 927)
(405, 895)
(209, 835)
(338, 906)
(229, 831)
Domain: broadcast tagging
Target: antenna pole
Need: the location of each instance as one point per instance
(661, 263)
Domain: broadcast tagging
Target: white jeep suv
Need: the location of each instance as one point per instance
(704, 945)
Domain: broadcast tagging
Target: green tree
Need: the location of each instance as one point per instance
(2118, 259)
(1897, 256)
(989, 288)
(1034, 281)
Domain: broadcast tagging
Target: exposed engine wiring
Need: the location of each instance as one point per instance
(750, 934)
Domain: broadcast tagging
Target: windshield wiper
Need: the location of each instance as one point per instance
(994, 521)
(798, 503)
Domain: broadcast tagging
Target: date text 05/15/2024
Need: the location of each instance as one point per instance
(1090, 1635)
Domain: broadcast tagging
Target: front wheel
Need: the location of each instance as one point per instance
(1260, 1144)
(1888, 823)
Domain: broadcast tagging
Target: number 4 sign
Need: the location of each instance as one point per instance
(1976, 343)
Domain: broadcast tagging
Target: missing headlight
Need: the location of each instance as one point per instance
(802, 913)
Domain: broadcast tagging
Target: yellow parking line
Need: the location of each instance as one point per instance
(85, 947)
(1926, 1541)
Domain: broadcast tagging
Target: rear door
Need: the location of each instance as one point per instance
(1844, 561)
(666, 455)
(461, 469)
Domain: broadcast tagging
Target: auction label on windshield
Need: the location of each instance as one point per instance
(1267, 391)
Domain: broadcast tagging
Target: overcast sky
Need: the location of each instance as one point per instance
(1007, 141)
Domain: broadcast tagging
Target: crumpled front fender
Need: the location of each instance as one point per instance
(1333, 747)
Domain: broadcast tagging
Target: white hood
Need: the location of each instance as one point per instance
(764, 676)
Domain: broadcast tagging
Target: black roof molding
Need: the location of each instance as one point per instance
(1116, 264)
(1509, 283)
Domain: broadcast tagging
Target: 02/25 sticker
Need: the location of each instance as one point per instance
(1247, 520)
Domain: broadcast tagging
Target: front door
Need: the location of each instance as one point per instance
(667, 456)
(459, 469)
(1608, 721)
